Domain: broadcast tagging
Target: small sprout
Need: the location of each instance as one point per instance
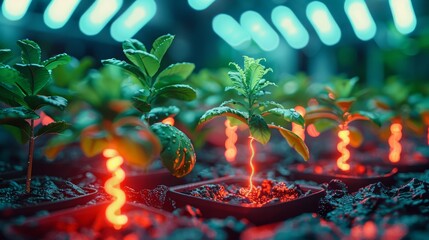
(20, 88)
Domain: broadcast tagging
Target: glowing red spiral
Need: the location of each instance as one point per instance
(231, 139)
(344, 136)
(394, 144)
(112, 187)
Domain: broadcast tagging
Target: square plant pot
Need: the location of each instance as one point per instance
(73, 196)
(89, 222)
(319, 173)
(258, 215)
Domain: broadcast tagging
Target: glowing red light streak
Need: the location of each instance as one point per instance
(252, 150)
(395, 146)
(112, 187)
(231, 139)
(344, 136)
(296, 128)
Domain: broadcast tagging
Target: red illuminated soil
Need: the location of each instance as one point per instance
(267, 193)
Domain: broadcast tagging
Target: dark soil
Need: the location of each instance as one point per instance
(43, 189)
(268, 192)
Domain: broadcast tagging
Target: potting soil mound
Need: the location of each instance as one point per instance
(43, 189)
(268, 192)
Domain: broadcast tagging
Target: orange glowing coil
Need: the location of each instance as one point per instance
(231, 139)
(395, 146)
(112, 187)
(296, 128)
(344, 136)
(252, 151)
(169, 121)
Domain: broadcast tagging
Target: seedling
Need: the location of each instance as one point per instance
(177, 153)
(249, 109)
(19, 90)
(399, 105)
(336, 107)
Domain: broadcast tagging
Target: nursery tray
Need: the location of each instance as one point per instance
(141, 180)
(89, 222)
(6, 175)
(49, 206)
(353, 182)
(257, 215)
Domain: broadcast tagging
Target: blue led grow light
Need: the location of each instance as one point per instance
(262, 33)
(323, 22)
(15, 9)
(230, 30)
(403, 15)
(362, 22)
(98, 15)
(290, 27)
(133, 19)
(200, 5)
(59, 12)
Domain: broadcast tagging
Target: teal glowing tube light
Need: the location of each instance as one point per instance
(200, 5)
(230, 31)
(14, 10)
(98, 15)
(290, 27)
(362, 22)
(59, 12)
(323, 22)
(403, 15)
(262, 33)
(133, 19)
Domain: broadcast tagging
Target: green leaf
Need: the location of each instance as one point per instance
(222, 111)
(9, 75)
(130, 69)
(21, 125)
(174, 73)
(143, 60)
(30, 51)
(161, 45)
(259, 129)
(294, 141)
(324, 125)
(56, 61)
(11, 95)
(5, 54)
(364, 115)
(178, 91)
(343, 87)
(37, 101)
(17, 112)
(160, 113)
(51, 128)
(133, 44)
(177, 154)
(35, 77)
(141, 104)
(267, 104)
(290, 115)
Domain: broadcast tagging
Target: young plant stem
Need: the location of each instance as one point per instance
(252, 150)
(30, 157)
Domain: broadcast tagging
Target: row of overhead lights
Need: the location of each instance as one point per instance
(97, 16)
(253, 26)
